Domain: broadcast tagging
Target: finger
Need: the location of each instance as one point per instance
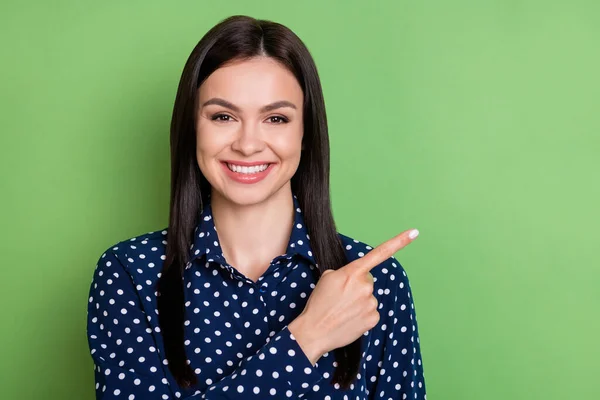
(382, 252)
(370, 277)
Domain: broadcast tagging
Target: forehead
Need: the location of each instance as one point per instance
(252, 83)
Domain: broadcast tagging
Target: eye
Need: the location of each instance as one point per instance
(221, 117)
(278, 119)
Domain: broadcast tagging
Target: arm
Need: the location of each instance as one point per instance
(396, 369)
(129, 364)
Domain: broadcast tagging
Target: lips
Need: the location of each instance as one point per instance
(247, 178)
(247, 163)
(247, 169)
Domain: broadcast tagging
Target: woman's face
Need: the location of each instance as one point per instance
(249, 116)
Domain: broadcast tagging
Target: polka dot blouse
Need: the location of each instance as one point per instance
(236, 331)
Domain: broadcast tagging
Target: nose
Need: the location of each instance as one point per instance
(248, 140)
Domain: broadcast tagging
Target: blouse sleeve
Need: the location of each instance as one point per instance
(395, 371)
(127, 361)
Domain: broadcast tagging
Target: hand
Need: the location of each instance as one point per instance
(342, 307)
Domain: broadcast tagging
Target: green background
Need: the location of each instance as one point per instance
(475, 121)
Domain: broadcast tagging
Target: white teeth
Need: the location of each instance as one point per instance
(247, 170)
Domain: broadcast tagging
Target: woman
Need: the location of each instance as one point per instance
(251, 293)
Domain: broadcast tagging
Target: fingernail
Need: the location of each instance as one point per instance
(413, 234)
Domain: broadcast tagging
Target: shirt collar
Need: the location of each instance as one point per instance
(206, 241)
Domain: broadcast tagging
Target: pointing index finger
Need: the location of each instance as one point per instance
(384, 251)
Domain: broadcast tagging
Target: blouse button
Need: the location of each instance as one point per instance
(262, 289)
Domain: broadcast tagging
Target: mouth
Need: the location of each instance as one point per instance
(247, 169)
(247, 173)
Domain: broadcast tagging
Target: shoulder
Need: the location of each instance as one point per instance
(141, 257)
(140, 247)
(386, 274)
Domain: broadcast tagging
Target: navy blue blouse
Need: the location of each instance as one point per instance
(236, 335)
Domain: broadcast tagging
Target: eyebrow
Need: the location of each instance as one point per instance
(269, 107)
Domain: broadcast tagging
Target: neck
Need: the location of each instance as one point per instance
(252, 235)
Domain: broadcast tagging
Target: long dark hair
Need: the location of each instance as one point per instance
(238, 38)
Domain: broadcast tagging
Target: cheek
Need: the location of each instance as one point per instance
(206, 149)
(203, 146)
(208, 143)
(289, 145)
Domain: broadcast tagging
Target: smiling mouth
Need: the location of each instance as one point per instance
(247, 170)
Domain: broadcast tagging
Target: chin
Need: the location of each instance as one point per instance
(246, 196)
